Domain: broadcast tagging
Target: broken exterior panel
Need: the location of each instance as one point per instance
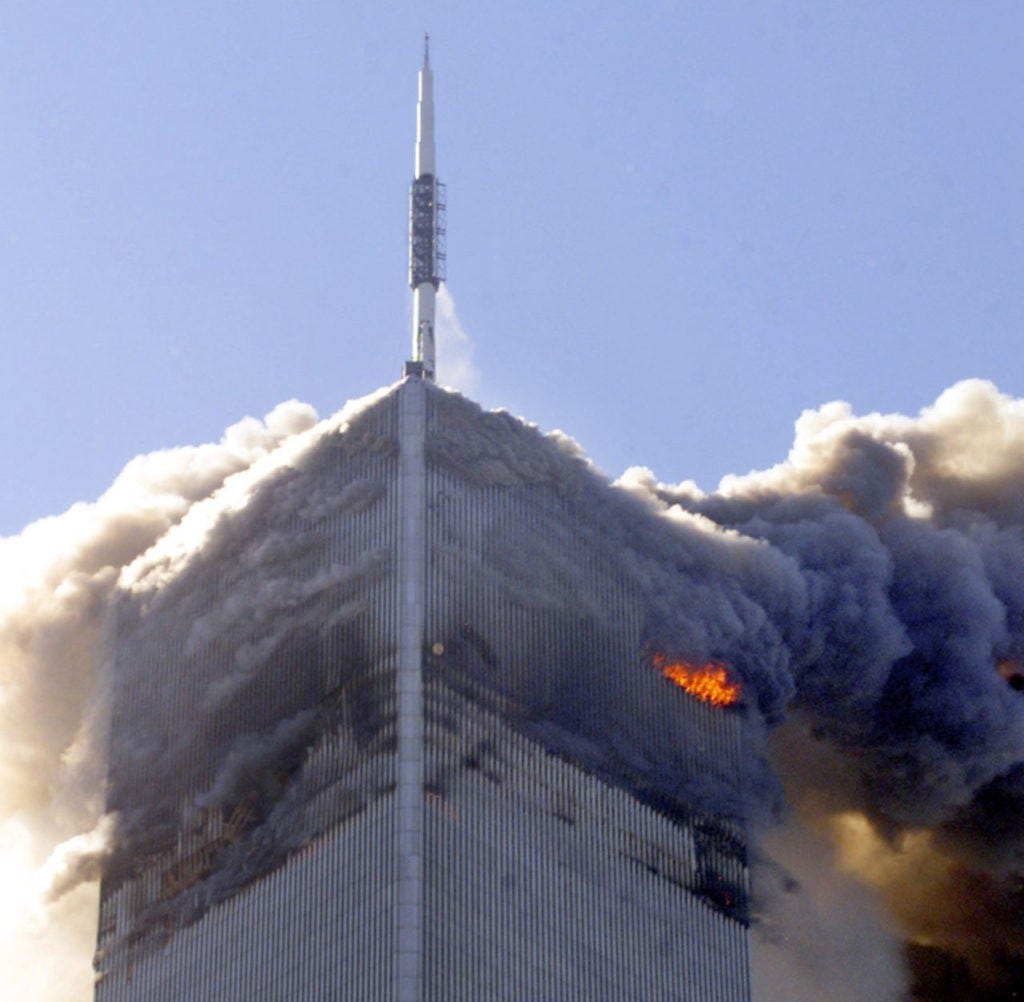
(575, 821)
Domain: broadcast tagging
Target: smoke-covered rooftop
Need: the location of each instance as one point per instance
(868, 594)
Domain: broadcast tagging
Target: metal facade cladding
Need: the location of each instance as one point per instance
(393, 733)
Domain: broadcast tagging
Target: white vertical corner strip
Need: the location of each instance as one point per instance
(425, 124)
(408, 899)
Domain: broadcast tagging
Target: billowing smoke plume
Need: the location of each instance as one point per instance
(56, 579)
(869, 592)
(904, 744)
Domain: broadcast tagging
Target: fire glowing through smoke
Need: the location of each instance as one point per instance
(709, 682)
(1013, 672)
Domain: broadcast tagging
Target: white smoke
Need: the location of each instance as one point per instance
(455, 348)
(78, 859)
(821, 933)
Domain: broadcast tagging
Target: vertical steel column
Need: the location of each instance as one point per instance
(412, 511)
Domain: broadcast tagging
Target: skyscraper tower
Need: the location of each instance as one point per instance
(426, 226)
(394, 719)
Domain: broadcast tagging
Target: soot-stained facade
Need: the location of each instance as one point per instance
(394, 730)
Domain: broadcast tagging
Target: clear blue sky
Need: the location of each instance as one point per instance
(672, 226)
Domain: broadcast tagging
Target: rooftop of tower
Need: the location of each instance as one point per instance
(247, 571)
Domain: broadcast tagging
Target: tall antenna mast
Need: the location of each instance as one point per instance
(426, 229)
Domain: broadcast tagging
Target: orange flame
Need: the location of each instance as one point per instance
(709, 681)
(1012, 671)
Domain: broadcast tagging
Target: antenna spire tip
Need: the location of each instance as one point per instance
(426, 49)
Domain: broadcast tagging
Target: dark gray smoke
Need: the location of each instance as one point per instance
(909, 535)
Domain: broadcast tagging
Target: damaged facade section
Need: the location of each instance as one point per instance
(582, 818)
